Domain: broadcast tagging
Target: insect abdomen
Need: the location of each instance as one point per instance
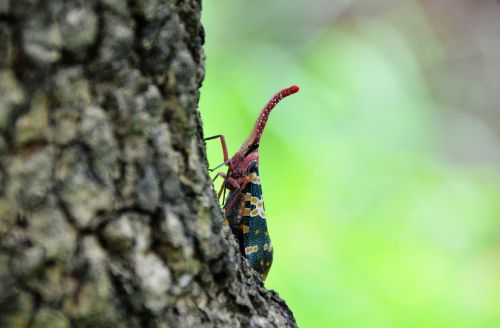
(233, 211)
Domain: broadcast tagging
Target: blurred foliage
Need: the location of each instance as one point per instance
(373, 224)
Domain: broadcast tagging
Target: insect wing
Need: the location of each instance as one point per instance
(258, 247)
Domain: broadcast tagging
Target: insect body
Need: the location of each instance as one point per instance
(244, 207)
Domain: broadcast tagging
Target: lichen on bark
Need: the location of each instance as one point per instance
(107, 214)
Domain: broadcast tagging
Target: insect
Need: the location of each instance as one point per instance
(244, 206)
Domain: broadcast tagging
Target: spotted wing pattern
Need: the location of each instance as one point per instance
(245, 214)
(257, 244)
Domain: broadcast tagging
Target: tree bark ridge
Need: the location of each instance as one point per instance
(107, 215)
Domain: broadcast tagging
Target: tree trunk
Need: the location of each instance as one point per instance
(107, 215)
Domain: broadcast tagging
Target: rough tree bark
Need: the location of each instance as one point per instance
(107, 214)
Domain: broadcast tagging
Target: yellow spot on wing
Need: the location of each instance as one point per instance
(251, 249)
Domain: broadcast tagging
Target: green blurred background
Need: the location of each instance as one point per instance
(380, 177)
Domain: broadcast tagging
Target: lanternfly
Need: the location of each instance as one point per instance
(244, 206)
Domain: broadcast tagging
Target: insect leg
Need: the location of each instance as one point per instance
(224, 148)
(228, 181)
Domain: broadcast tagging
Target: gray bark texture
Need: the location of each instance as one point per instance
(107, 214)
